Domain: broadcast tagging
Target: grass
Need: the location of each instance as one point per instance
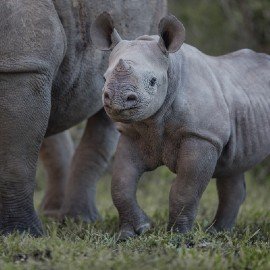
(94, 246)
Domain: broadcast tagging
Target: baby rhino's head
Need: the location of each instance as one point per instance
(136, 79)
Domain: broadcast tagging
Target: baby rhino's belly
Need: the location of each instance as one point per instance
(235, 158)
(246, 147)
(240, 156)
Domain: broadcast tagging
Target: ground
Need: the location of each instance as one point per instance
(82, 246)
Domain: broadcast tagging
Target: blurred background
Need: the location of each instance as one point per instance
(221, 26)
(215, 27)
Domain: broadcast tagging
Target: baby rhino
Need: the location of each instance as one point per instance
(199, 115)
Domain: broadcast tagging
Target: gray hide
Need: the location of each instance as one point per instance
(199, 115)
(51, 79)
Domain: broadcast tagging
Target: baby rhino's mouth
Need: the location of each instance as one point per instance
(121, 114)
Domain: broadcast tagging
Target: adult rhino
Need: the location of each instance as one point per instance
(51, 79)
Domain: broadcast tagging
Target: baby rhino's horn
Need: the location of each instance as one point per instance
(123, 66)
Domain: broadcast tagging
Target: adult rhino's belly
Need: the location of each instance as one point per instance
(64, 120)
(72, 107)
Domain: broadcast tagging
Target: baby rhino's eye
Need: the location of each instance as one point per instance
(153, 81)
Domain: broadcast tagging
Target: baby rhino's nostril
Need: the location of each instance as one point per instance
(106, 98)
(131, 97)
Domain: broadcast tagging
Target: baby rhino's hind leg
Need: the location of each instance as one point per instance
(231, 193)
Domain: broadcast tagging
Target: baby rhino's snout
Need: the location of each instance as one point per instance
(124, 101)
(120, 94)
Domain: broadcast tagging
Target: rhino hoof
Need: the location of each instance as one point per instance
(77, 217)
(125, 235)
(143, 228)
(50, 214)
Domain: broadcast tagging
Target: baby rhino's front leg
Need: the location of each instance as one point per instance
(196, 164)
(128, 167)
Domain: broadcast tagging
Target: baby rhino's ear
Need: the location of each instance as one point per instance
(103, 33)
(172, 34)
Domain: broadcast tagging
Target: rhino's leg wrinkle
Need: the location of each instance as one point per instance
(231, 193)
(89, 162)
(126, 174)
(196, 164)
(19, 146)
(56, 153)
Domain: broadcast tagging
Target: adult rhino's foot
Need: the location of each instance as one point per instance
(50, 213)
(29, 224)
(212, 230)
(137, 226)
(51, 205)
(215, 228)
(77, 212)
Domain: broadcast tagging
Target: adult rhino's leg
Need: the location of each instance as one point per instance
(89, 162)
(231, 193)
(29, 57)
(56, 154)
(23, 116)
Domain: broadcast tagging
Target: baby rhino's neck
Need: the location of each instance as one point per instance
(155, 142)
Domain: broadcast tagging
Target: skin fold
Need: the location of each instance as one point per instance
(199, 115)
(51, 78)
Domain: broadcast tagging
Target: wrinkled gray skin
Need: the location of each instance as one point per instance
(51, 78)
(199, 115)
